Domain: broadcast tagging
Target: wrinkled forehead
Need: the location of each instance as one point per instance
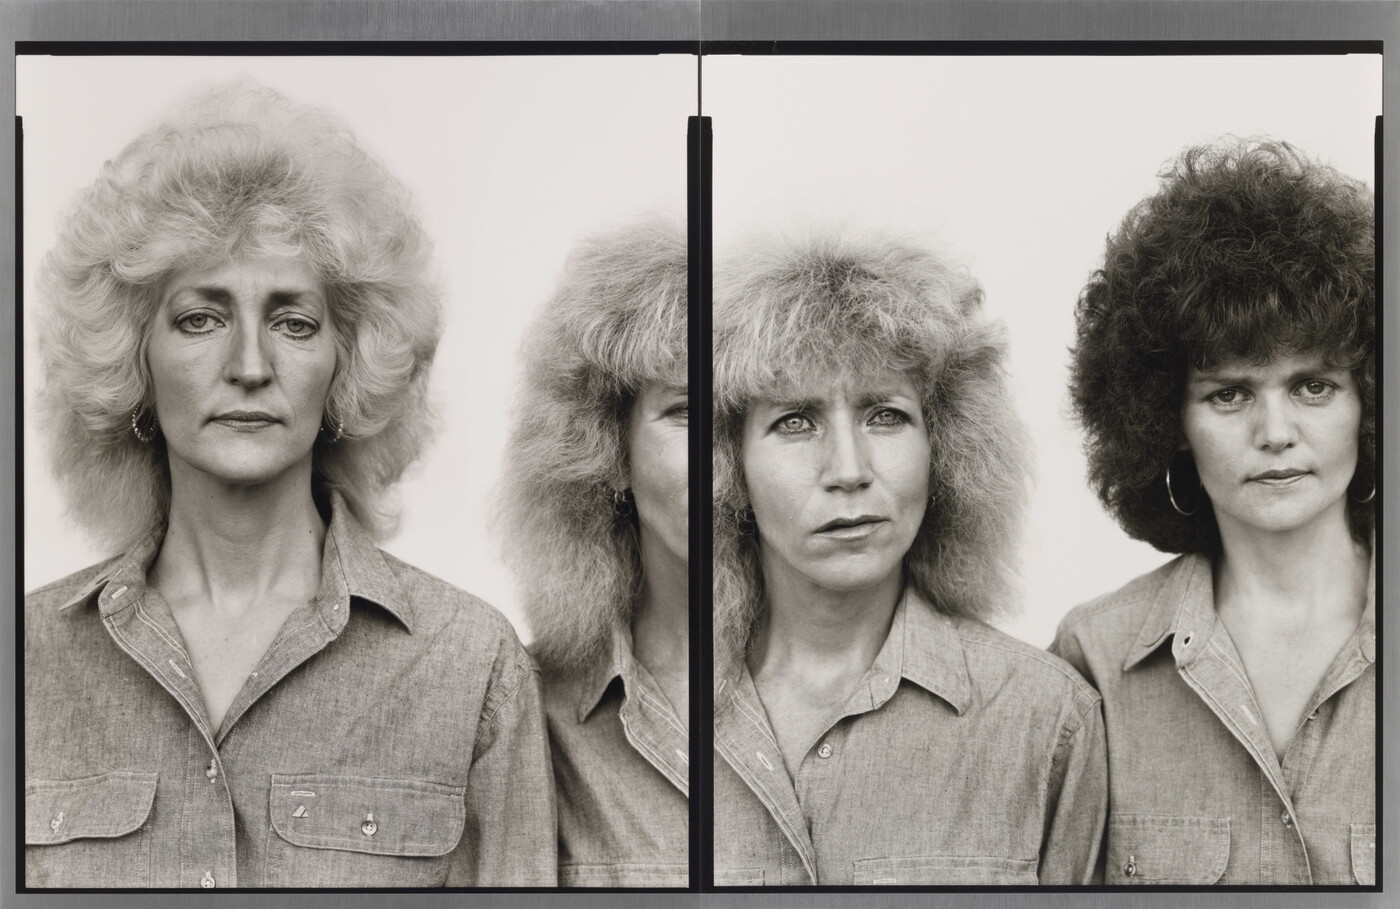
(1264, 359)
(849, 383)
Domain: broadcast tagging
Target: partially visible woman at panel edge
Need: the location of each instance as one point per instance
(236, 340)
(870, 726)
(1225, 378)
(596, 508)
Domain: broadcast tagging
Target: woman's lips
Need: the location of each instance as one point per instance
(245, 421)
(1279, 478)
(857, 529)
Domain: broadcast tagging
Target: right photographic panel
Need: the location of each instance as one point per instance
(1045, 465)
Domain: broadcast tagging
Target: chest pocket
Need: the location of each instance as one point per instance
(947, 870)
(1155, 850)
(350, 831)
(90, 832)
(1363, 854)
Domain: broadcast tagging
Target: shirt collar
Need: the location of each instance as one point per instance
(351, 566)
(924, 646)
(1185, 604)
(600, 674)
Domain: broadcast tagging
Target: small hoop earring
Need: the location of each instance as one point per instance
(334, 432)
(748, 523)
(622, 502)
(150, 431)
(1368, 498)
(1172, 498)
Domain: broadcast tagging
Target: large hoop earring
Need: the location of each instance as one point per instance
(1172, 498)
(622, 502)
(333, 429)
(152, 424)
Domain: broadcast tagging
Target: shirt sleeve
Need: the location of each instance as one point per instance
(1076, 804)
(510, 836)
(1066, 646)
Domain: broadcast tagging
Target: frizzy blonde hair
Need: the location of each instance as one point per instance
(616, 324)
(791, 315)
(239, 170)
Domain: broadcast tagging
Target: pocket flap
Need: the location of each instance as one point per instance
(367, 814)
(945, 870)
(1363, 854)
(109, 805)
(1155, 849)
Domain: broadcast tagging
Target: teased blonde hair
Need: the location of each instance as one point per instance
(616, 324)
(239, 170)
(794, 315)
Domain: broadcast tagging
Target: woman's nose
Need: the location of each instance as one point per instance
(1276, 424)
(846, 462)
(248, 363)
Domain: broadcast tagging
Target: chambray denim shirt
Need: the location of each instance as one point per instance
(1197, 794)
(621, 771)
(391, 736)
(963, 757)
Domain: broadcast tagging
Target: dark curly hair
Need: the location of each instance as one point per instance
(1249, 250)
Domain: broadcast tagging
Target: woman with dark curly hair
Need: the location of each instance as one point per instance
(1225, 378)
(597, 519)
(870, 726)
(237, 336)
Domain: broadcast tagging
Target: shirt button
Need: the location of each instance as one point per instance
(368, 827)
(56, 822)
(1130, 867)
(212, 771)
(207, 882)
(824, 751)
(1287, 819)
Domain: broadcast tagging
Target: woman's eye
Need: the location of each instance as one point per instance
(197, 323)
(887, 416)
(1316, 389)
(792, 424)
(1227, 397)
(680, 412)
(297, 328)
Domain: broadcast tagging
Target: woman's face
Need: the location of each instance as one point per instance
(838, 481)
(1275, 444)
(658, 453)
(241, 357)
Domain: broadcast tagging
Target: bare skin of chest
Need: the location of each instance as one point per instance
(799, 715)
(225, 649)
(1285, 669)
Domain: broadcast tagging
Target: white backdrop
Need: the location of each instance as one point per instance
(1020, 166)
(512, 161)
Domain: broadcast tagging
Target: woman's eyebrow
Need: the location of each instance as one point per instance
(797, 404)
(279, 298)
(871, 398)
(207, 293)
(1219, 378)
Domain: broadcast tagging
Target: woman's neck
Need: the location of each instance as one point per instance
(661, 621)
(233, 547)
(661, 624)
(1298, 578)
(808, 629)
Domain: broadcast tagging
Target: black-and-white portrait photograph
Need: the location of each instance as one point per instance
(355, 478)
(1045, 462)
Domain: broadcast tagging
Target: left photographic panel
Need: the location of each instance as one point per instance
(354, 470)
